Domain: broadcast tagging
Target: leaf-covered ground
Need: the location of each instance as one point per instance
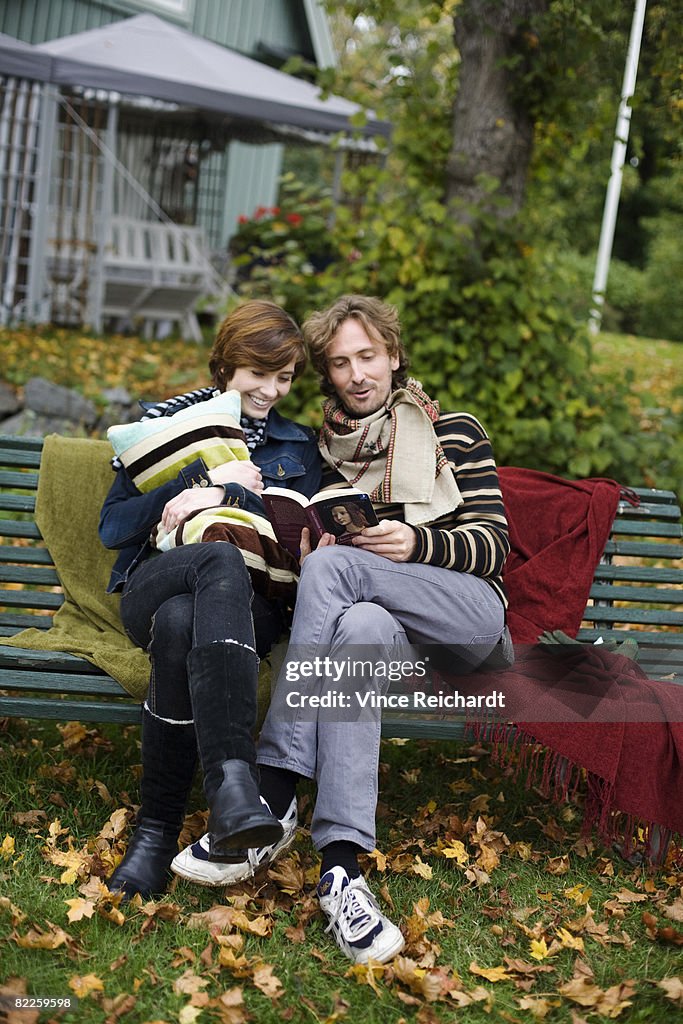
(509, 913)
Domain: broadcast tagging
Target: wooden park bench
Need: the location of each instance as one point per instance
(636, 589)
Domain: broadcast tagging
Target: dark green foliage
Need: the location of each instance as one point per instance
(483, 327)
(494, 322)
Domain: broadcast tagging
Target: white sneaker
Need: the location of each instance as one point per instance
(359, 927)
(193, 862)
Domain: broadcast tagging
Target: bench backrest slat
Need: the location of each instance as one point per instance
(10, 478)
(12, 553)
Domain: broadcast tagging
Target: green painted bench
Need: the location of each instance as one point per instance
(636, 591)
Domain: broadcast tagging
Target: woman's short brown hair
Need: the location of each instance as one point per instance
(260, 334)
(379, 319)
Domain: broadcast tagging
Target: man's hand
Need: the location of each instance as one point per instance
(190, 500)
(238, 472)
(325, 541)
(391, 538)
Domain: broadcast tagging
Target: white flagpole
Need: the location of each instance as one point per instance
(609, 216)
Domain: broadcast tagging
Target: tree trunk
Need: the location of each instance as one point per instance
(492, 130)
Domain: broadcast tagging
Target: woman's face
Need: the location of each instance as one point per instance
(341, 515)
(260, 389)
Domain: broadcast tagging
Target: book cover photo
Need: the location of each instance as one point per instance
(343, 513)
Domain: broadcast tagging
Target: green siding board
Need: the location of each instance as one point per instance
(240, 24)
(243, 24)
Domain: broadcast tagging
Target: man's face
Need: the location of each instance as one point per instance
(359, 369)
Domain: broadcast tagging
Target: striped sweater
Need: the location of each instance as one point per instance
(474, 537)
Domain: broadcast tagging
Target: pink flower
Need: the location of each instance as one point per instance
(243, 219)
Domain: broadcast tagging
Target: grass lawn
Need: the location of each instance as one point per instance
(510, 914)
(657, 367)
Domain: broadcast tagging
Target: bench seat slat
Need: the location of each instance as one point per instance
(57, 661)
(421, 728)
(69, 710)
(59, 682)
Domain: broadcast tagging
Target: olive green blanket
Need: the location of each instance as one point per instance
(75, 476)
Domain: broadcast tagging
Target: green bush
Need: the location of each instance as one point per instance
(294, 236)
(625, 293)
(483, 326)
(662, 311)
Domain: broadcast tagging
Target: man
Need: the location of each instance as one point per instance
(429, 573)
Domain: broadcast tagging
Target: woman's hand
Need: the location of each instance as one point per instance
(325, 541)
(238, 472)
(390, 538)
(193, 499)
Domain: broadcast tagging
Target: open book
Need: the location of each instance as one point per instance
(343, 513)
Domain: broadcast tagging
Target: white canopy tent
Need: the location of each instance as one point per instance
(21, 60)
(73, 108)
(146, 56)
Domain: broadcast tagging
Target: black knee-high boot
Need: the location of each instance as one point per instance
(169, 757)
(222, 679)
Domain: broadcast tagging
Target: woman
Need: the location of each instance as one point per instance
(348, 519)
(194, 610)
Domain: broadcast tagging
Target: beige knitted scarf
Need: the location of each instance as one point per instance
(393, 454)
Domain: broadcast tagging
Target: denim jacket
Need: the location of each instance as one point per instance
(289, 458)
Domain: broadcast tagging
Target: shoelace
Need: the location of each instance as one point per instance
(355, 914)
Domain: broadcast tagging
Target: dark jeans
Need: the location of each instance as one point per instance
(189, 597)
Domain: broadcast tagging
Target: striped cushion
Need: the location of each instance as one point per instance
(154, 451)
(274, 572)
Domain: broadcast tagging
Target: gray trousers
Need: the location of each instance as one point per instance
(349, 597)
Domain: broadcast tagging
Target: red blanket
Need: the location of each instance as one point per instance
(599, 711)
(558, 531)
(591, 708)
